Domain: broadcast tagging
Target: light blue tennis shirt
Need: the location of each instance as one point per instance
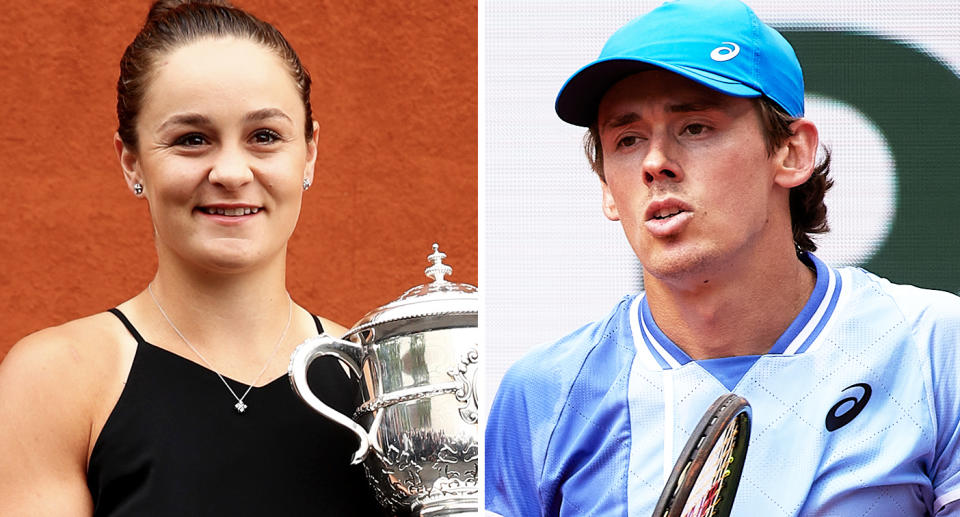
(856, 411)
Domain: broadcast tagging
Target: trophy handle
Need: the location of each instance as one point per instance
(348, 353)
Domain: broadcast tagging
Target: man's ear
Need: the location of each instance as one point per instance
(129, 162)
(308, 171)
(609, 204)
(797, 156)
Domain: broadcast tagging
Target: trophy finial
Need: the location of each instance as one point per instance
(438, 270)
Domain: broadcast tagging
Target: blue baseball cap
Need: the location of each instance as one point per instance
(718, 43)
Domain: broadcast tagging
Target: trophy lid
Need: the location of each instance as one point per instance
(434, 305)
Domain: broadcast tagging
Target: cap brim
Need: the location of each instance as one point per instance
(579, 97)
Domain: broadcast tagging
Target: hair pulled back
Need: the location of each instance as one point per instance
(172, 24)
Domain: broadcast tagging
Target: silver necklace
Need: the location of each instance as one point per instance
(240, 406)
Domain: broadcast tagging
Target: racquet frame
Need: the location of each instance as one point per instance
(728, 410)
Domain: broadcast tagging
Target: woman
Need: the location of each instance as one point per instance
(136, 411)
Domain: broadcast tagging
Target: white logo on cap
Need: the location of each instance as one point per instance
(723, 53)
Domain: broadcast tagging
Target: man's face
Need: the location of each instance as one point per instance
(688, 176)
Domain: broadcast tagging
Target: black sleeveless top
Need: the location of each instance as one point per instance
(174, 445)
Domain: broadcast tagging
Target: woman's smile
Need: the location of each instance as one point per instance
(229, 215)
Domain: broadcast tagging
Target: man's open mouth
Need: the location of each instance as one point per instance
(666, 213)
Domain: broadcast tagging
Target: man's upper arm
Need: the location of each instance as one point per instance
(511, 470)
(940, 325)
(44, 430)
(519, 429)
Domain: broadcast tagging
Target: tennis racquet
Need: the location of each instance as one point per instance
(704, 480)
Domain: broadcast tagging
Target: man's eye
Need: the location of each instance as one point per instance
(265, 136)
(627, 141)
(695, 129)
(191, 140)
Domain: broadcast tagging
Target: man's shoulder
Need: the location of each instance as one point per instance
(928, 320)
(588, 360)
(555, 389)
(917, 305)
(564, 358)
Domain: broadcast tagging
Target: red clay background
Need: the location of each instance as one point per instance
(395, 92)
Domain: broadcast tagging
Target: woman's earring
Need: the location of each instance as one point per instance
(137, 189)
(306, 184)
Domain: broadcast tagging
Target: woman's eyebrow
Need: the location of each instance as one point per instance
(264, 114)
(187, 119)
(196, 119)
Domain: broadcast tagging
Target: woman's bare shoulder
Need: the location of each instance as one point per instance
(70, 367)
(71, 350)
(54, 385)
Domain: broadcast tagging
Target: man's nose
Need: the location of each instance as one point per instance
(659, 163)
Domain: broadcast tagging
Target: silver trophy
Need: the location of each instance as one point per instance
(417, 360)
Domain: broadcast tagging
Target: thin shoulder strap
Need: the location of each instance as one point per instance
(317, 321)
(126, 323)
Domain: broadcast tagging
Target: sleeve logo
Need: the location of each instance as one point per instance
(723, 53)
(835, 421)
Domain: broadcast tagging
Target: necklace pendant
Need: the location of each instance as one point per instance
(241, 407)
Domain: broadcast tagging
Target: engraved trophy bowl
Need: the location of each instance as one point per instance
(416, 358)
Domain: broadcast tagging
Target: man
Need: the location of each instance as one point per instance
(696, 131)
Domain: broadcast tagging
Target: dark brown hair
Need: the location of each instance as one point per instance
(808, 213)
(174, 23)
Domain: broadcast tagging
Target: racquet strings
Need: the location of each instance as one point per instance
(707, 491)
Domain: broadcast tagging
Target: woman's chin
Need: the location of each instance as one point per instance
(231, 257)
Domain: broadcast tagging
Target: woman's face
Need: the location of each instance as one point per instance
(221, 154)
